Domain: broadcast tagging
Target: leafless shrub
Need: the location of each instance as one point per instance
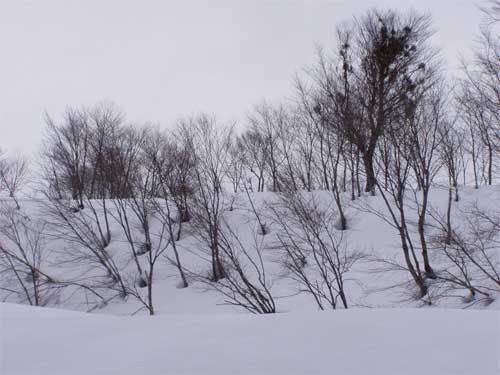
(246, 283)
(13, 176)
(316, 255)
(470, 255)
(22, 246)
(264, 132)
(82, 245)
(395, 213)
(253, 152)
(210, 142)
(263, 227)
(162, 156)
(24, 262)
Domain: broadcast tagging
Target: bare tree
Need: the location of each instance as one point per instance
(13, 176)
(132, 211)
(378, 54)
(307, 108)
(236, 169)
(306, 139)
(332, 145)
(82, 244)
(246, 283)
(265, 124)
(396, 162)
(210, 143)
(147, 233)
(254, 155)
(451, 143)
(25, 259)
(426, 118)
(82, 160)
(316, 255)
(22, 245)
(66, 151)
(482, 125)
(162, 155)
(178, 173)
(470, 253)
(479, 95)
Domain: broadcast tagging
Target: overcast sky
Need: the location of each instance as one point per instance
(160, 60)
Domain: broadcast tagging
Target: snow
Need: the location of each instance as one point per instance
(358, 341)
(195, 330)
(195, 333)
(365, 287)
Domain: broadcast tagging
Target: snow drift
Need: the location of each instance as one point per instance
(431, 341)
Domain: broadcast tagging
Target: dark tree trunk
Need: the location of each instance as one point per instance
(370, 172)
(429, 272)
(217, 267)
(448, 216)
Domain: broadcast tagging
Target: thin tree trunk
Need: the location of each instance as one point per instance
(429, 272)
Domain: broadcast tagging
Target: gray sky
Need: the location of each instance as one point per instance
(160, 60)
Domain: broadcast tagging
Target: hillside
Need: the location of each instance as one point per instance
(368, 283)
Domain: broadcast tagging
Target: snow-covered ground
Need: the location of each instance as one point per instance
(366, 284)
(42, 341)
(194, 332)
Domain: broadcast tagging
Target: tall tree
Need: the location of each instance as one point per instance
(379, 55)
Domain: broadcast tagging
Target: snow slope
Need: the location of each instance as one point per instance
(426, 341)
(366, 286)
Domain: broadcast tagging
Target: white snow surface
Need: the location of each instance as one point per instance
(365, 285)
(195, 332)
(42, 341)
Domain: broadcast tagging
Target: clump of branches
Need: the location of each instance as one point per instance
(82, 245)
(172, 171)
(316, 255)
(210, 142)
(469, 254)
(85, 162)
(479, 92)
(22, 246)
(246, 283)
(25, 260)
(13, 176)
(360, 87)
